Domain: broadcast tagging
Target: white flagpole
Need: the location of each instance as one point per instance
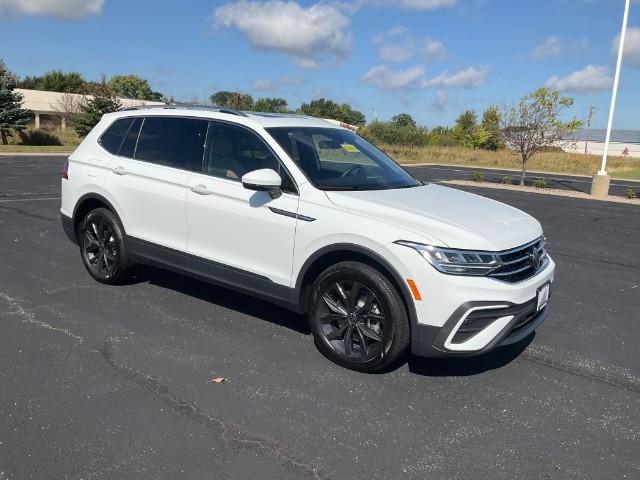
(616, 79)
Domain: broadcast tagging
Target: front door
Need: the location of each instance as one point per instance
(240, 236)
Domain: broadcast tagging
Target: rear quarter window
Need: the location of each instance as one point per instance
(112, 138)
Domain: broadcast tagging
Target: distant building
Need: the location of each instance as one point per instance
(51, 109)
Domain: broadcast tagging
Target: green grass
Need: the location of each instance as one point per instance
(42, 141)
(36, 149)
(553, 162)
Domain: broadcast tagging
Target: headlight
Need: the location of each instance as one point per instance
(456, 262)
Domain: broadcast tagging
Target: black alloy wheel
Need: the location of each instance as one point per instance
(357, 317)
(101, 240)
(353, 322)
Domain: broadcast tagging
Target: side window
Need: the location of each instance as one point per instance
(112, 138)
(233, 151)
(131, 139)
(173, 142)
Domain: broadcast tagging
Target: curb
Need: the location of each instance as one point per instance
(541, 191)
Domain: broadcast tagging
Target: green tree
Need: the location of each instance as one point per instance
(465, 129)
(13, 118)
(29, 82)
(272, 105)
(235, 100)
(490, 127)
(404, 120)
(59, 81)
(534, 123)
(91, 112)
(131, 86)
(324, 108)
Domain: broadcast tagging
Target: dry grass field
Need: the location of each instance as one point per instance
(555, 162)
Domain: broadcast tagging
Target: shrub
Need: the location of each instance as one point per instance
(540, 183)
(630, 194)
(38, 137)
(507, 180)
(477, 176)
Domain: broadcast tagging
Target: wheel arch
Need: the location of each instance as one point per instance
(88, 202)
(332, 254)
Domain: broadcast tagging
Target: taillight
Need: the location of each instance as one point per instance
(64, 173)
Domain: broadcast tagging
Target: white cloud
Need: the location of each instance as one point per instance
(553, 47)
(311, 35)
(549, 48)
(263, 85)
(404, 46)
(383, 77)
(395, 53)
(411, 4)
(439, 101)
(434, 48)
(590, 79)
(466, 78)
(64, 9)
(631, 53)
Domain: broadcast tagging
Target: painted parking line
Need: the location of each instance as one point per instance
(39, 199)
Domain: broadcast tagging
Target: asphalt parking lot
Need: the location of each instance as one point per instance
(113, 382)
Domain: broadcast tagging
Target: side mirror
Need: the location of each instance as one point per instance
(263, 180)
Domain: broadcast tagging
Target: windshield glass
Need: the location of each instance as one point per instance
(336, 159)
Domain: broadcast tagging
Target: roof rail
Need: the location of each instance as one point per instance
(190, 106)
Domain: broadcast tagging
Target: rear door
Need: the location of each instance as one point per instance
(244, 237)
(150, 177)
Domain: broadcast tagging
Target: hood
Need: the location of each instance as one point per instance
(444, 216)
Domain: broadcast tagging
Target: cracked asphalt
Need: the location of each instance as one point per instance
(100, 382)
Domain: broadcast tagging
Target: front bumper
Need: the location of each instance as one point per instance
(498, 312)
(508, 323)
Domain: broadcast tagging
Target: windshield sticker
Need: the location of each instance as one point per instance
(350, 148)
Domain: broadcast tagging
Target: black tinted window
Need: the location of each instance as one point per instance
(112, 138)
(129, 145)
(174, 142)
(233, 151)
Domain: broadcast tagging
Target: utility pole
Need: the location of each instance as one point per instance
(600, 183)
(586, 141)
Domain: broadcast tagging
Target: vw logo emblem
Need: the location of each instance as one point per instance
(535, 258)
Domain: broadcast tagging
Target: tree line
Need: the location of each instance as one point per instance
(125, 86)
(525, 128)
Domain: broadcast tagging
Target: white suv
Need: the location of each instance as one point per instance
(301, 212)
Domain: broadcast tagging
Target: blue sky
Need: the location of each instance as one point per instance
(430, 58)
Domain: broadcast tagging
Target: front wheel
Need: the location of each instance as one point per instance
(101, 239)
(357, 317)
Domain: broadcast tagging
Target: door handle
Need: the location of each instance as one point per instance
(201, 190)
(119, 170)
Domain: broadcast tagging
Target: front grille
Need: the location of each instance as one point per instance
(521, 263)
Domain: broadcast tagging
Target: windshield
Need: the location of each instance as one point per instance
(336, 159)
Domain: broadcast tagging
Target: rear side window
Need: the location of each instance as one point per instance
(173, 142)
(112, 138)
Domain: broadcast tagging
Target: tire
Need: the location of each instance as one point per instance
(102, 246)
(357, 317)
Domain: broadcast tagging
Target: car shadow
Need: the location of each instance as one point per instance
(264, 310)
(467, 366)
(221, 296)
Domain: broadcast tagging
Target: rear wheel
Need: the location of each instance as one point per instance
(358, 318)
(101, 239)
